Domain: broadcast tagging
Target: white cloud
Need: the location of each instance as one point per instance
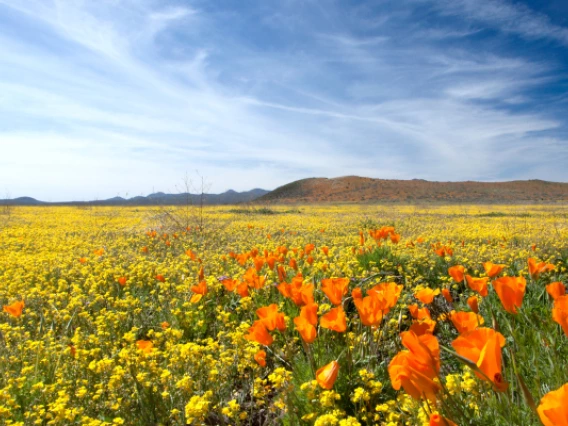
(114, 97)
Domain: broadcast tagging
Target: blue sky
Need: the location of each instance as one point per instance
(104, 98)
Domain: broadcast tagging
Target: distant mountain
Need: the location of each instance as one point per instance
(158, 198)
(22, 201)
(356, 189)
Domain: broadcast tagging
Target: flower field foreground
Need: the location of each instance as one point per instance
(345, 315)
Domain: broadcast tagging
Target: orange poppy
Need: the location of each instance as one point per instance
(560, 312)
(390, 292)
(145, 346)
(122, 281)
(357, 293)
(327, 375)
(281, 273)
(242, 289)
(493, 269)
(444, 251)
(465, 322)
(260, 358)
(15, 309)
(201, 275)
(417, 313)
(299, 293)
(253, 280)
(293, 264)
(325, 250)
(229, 284)
(477, 284)
(556, 289)
(416, 368)
(371, 309)
(447, 295)
(200, 290)
(271, 318)
(457, 273)
(334, 320)
(310, 313)
(258, 263)
(426, 295)
(191, 254)
(553, 410)
(258, 333)
(535, 269)
(483, 347)
(306, 330)
(473, 303)
(511, 291)
(395, 238)
(82, 260)
(439, 420)
(423, 326)
(99, 252)
(165, 325)
(335, 289)
(160, 278)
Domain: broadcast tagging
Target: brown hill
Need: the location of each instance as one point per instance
(360, 189)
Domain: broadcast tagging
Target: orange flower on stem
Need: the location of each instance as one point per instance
(417, 313)
(334, 320)
(335, 289)
(560, 312)
(15, 309)
(306, 330)
(260, 358)
(477, 284)
(427, 295)
(271, 318)
(493, 269)
(253, 280)
(416, 368)
(535, 269)
(423, 326)
(145, 346)
(465, 322)
(438, 420)
(447, 295)
(200, 290)
(327, 375)
(390, 292)
(122, 281)
(553, 410)
(511, 291)
(310, 313)
(258, 333)
(457, 273)
(229, 284)
(483, 348)
(556, 289)
(473, 303)
(371, 308)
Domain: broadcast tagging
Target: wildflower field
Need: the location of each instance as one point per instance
(326, 315)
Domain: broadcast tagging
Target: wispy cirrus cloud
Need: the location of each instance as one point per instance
(104, 98)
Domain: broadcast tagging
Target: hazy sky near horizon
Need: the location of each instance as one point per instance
(125, 97)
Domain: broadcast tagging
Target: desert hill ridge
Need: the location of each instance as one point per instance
(157, 198)
(355, 189)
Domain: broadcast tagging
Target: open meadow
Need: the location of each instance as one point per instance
(328, 315)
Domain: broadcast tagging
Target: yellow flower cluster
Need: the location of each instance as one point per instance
(150, 316)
